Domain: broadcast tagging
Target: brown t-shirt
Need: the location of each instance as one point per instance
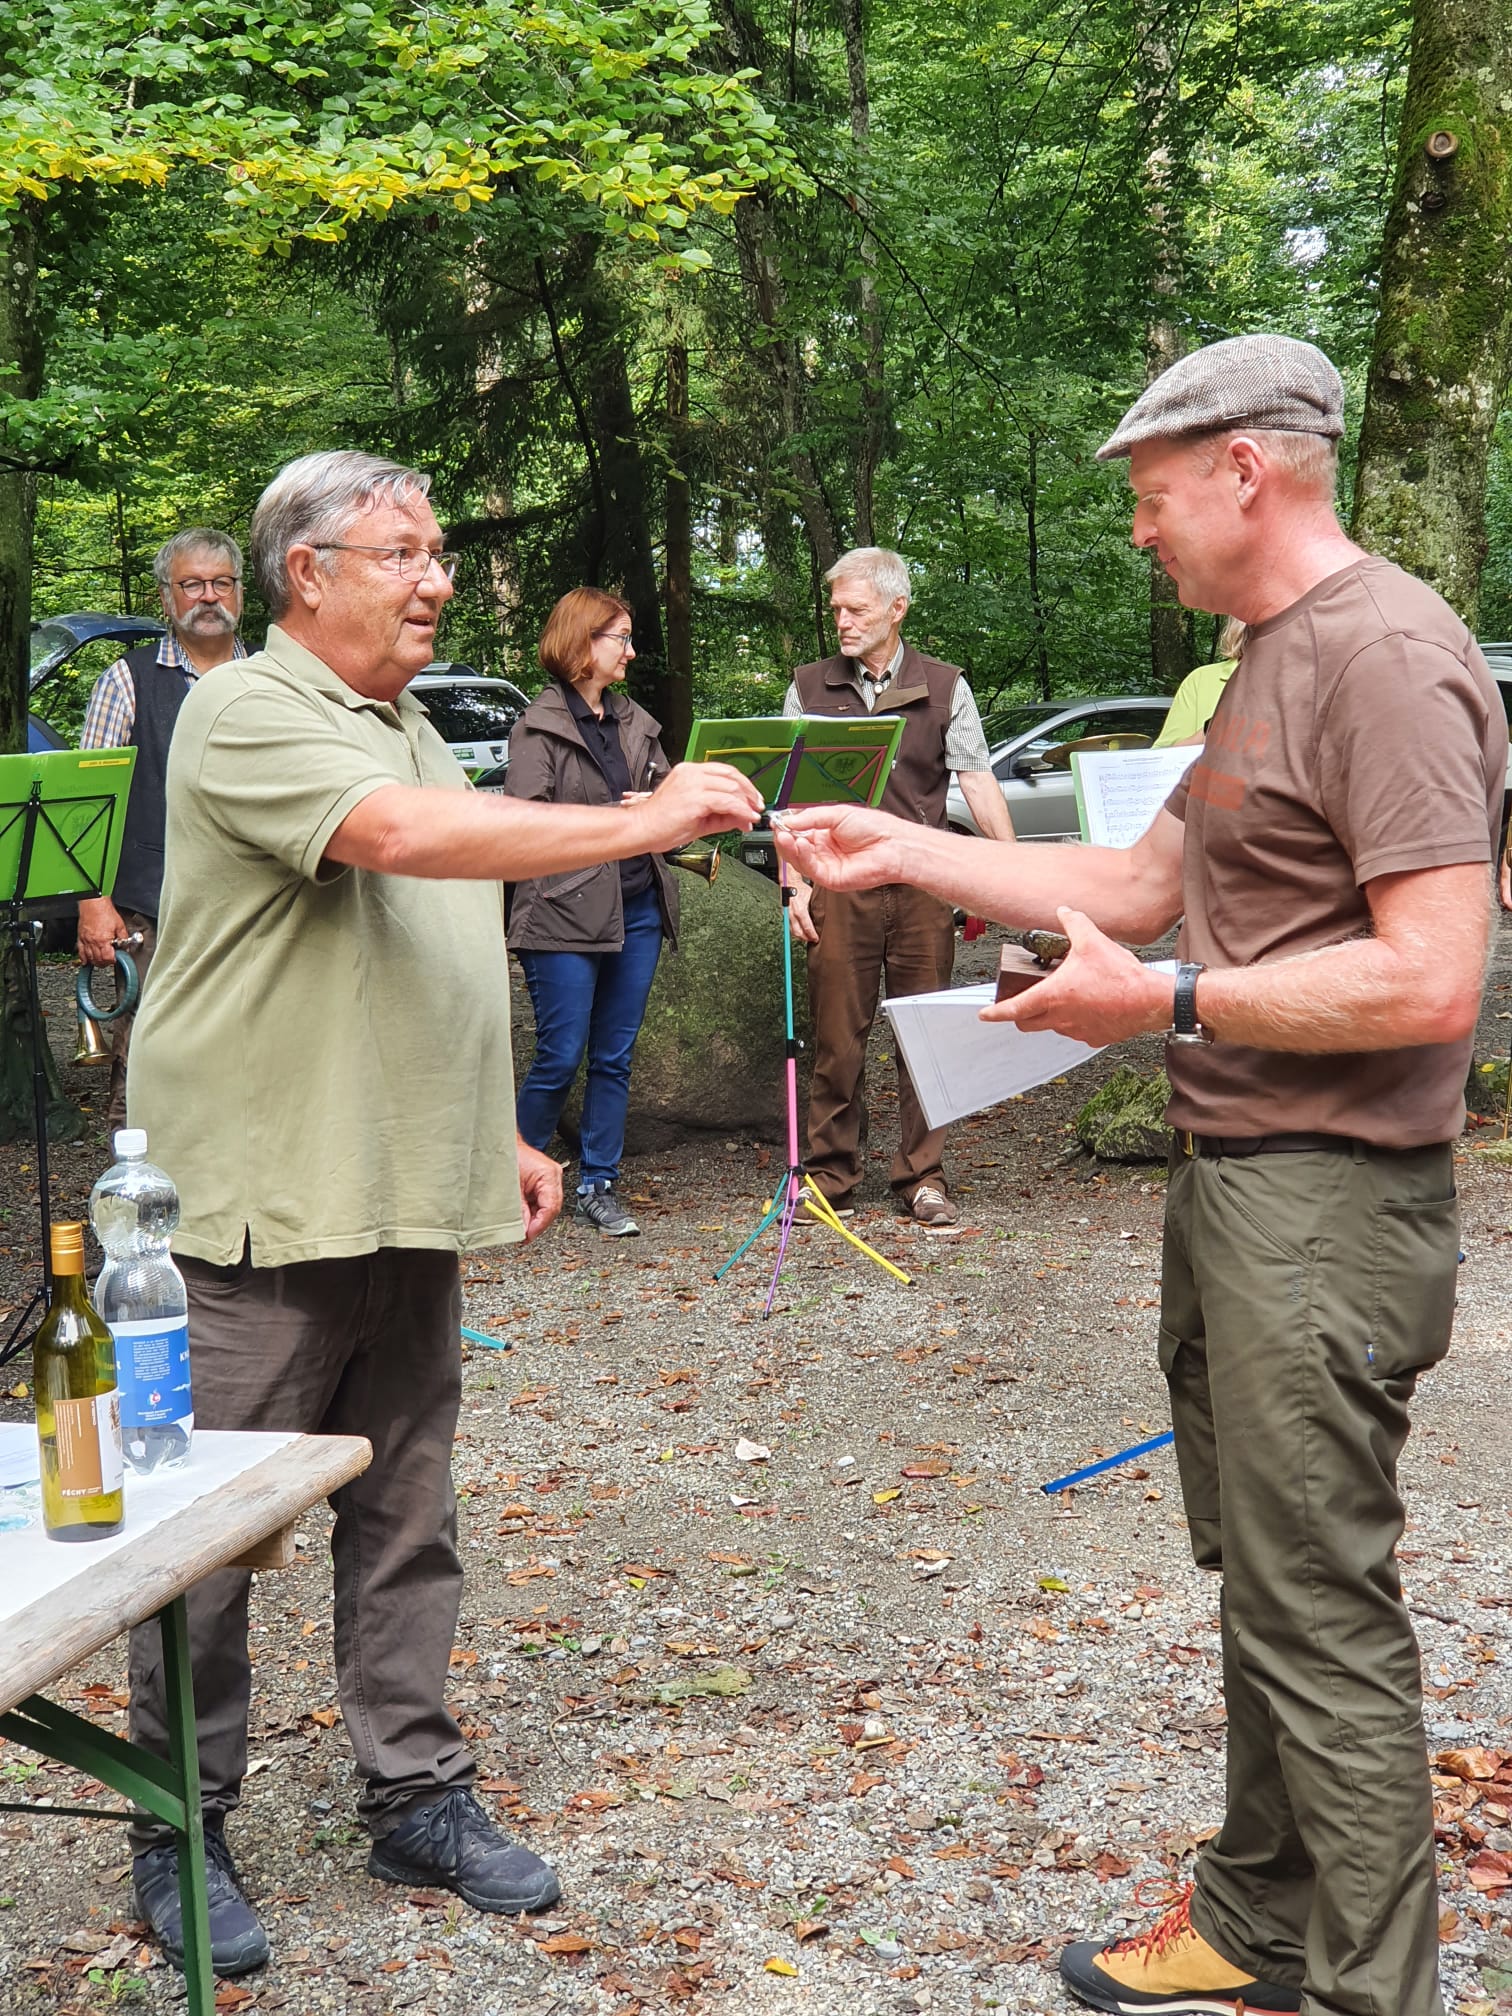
(1361, 736)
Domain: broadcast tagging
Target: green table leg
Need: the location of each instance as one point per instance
(169, 1791)
(183, 1758)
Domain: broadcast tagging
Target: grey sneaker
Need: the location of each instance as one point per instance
(932, 1208)
(603, 1208)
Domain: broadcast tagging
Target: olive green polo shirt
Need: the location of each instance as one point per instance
(322, 1057)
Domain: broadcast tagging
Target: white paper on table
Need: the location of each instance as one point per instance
(1119, 791)
(32, 1566)
(20, 1459)
(960, 1064)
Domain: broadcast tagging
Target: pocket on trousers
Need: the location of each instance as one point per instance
(1415, 1267)
(1166, 1346)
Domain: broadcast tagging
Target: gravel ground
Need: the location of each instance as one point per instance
(866, 1724)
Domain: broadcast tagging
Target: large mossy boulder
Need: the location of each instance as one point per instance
(712, 1049)
(1125, 1120)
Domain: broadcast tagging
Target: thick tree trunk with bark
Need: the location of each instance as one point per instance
(677, 721)
(1439, 363)
(21, 374)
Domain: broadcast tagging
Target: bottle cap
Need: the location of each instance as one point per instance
(67, 1243)
(130, 1141)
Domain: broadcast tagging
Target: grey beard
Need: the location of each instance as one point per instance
(223, 623)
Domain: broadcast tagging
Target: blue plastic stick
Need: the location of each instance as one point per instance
(480, 1337)
(1109, 1463)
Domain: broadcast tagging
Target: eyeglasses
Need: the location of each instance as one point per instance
(408, 562)
(218, 584)
(620, 637)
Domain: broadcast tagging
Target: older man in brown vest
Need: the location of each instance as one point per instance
(905, 935)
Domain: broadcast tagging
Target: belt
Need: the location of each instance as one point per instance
(1264, 1144)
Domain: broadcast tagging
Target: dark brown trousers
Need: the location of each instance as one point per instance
(906, 938)
(370, 1346)
(120, 1030)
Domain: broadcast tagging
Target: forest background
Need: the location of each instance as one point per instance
(686, 298)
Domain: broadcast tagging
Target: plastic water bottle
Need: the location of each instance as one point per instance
(140, 1293)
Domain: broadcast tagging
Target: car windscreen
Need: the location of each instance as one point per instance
(478, 713)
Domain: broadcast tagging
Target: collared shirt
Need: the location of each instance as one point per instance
(111, 714)
(965, 744)
(322, 1060)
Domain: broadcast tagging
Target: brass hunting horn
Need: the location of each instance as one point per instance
(702, 861)
(94, 1047)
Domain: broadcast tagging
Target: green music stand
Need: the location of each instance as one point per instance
(62, 817)
(801, 759)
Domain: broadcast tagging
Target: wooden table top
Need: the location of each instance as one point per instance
(105, 1598)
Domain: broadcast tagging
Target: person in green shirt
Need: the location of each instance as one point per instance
(323, 1063)
(1196, 699)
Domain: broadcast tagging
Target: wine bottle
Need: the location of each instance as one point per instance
(78, 1405)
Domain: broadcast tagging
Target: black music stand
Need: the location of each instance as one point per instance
(62, 816)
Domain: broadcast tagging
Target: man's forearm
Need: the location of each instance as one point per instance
(479, 836)
(989, 808)
(1363, 995)
(1023, 885)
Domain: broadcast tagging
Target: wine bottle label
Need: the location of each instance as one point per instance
(152, 1366)
(89, 1445)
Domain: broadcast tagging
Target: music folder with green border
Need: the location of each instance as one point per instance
(80, 798)
(804, 759)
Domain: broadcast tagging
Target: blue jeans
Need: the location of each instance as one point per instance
(591, 1002)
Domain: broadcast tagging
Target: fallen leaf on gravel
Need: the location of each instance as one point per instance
(531, 1395)
(933, 1468)
(752, 1452)
(642, 1568)
(566, 1942)
(784, 1967)
(899, 1867)
(925, 1554)
(722, 1681)
(326, 1717)
(1054, 1585)
(886, 1497)
(84, 1942)
(1470, 1764)
(521, 1575)
(809, 1928)
(1490, 1870)
(230, 1996)
(863, 1782)
(1108, 1865)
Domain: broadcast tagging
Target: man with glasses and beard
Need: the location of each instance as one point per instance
(134, 705)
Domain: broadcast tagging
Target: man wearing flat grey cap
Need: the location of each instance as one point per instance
(1328, 854)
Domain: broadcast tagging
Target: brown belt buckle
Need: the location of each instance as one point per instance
(1188, 1143)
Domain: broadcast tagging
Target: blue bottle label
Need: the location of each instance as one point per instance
(152, 1366)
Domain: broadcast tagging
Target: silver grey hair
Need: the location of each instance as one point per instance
(314, 500)
(879, 567)
(194, 539)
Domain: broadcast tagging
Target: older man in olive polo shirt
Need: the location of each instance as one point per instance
(324, 1065)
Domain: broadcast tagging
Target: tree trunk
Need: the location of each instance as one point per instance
(873, 400)
(1439, 363)
(21, 375)
(677, 722)
(620, 550)
(1171, 656)
(1036, 598)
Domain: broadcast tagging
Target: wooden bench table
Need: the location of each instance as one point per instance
(233, 1504)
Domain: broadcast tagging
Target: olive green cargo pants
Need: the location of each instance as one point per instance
(1302, 1294)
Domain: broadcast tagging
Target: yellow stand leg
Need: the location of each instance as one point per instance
(819, 1206)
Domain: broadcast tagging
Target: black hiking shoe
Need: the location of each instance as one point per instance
(453, 1845)
(238, 1942)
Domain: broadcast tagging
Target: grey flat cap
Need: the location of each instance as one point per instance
(1271, 383)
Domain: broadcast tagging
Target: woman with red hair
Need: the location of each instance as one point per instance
(588, 940)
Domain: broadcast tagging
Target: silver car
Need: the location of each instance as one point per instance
(473, 715)
(1031, 749)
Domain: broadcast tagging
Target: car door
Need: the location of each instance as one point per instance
(1037, 777)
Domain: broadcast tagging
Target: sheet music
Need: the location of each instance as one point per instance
(1119, 791)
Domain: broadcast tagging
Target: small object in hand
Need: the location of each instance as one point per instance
(1023, 966)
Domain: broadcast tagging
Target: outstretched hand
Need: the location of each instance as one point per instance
(694, 800)
(1100, 993)
(842, 846)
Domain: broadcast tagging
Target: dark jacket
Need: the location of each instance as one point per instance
(580, 911)
(921, 693)
(160, 691)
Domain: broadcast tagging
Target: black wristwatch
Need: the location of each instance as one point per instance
(1185, 1028)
